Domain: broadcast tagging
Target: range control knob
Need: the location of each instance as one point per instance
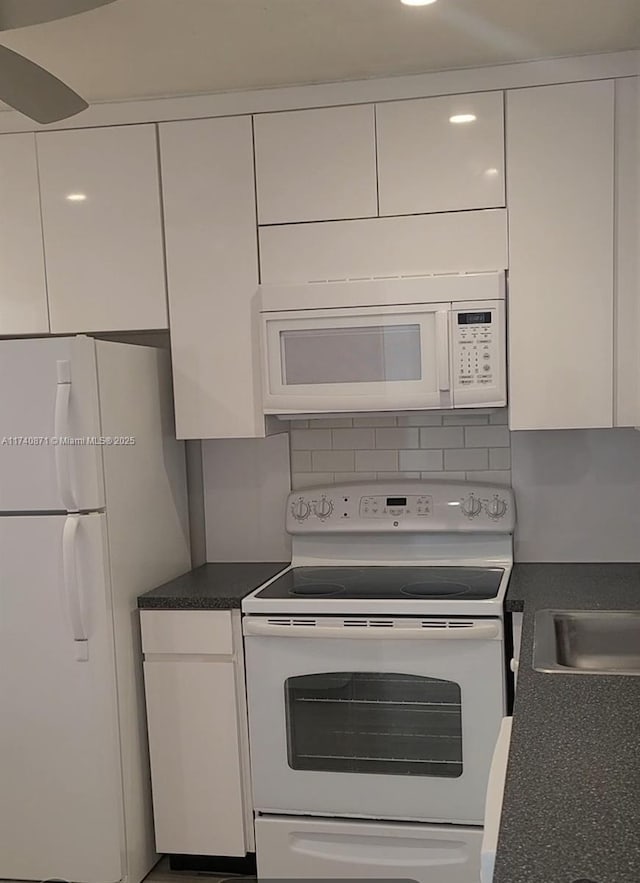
(471, 506)
(300, 509)
(323, 508)
(496, 507)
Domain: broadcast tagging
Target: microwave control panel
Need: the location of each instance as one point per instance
(478, 345)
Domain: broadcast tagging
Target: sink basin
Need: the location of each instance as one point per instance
(587, 642)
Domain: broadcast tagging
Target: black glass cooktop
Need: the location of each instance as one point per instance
(456, 583)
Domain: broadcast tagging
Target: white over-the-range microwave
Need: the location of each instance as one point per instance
(384, 344)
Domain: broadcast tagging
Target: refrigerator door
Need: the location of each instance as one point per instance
(60, 780)
(49, 401)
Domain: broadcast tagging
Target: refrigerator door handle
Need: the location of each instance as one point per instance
(72, 591)
(61, 430)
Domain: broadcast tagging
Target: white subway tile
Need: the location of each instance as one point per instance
(397, 438)
(332, 461)
(499, 417)
(398, 476)
(300, 461)
(465, 419)
(442, 437)
(443, 476)
(298, 424)
(346, 477)
(421, 418)
(499, 458)
(419, 461)
(376, 461)
(487, 476)
(487, 437)
(353, 439)
(310, 479)
(311, 439)
(374, 420)
(330, 422)
(466, 458)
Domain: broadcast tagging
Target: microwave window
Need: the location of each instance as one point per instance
(360, 354)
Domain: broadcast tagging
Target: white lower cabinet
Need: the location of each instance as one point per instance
(198, 741)
(304, 848)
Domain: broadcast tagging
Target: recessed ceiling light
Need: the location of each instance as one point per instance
(76, 197)
(417, 2)
(463, 118)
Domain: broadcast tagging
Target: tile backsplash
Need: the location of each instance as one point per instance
(470, 445)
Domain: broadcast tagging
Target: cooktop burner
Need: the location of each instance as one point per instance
(386, 583)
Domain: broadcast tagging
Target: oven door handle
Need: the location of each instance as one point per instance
(252, 626)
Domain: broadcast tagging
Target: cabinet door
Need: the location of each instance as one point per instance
(102, 229)
(23, 292)
(560, 162)
(443, 243)
(627, 258)
(315, 165)
(195, 751)
(212, 271)
(441, 154)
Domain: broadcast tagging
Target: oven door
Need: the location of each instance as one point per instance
(373, 718)
(357, 359)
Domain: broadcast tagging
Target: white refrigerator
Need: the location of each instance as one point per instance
(93, 511)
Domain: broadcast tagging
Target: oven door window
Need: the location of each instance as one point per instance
(363, 722)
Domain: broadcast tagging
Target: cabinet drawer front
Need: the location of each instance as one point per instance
(187, 632)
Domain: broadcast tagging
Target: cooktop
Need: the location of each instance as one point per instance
(384, 582)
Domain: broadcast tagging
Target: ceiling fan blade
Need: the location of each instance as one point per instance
(32, 90)
(22, 13)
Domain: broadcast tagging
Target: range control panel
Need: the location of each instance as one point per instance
(409, 506)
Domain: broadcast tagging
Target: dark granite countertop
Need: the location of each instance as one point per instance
(219, 586)
(571, 809)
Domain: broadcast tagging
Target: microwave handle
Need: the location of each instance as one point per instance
(442, 350)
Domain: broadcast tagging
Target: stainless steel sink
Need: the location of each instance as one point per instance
(587, 642)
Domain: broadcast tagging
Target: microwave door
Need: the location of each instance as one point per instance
(371, 358)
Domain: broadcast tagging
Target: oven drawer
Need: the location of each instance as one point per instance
(290, 847)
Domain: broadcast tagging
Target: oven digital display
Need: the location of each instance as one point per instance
(474, 318)
(396, 501)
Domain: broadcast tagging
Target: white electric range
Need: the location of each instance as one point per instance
(376, 681)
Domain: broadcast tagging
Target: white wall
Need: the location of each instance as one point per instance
(577, 495)
(246, 482)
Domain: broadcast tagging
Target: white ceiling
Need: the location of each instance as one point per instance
(141, 48)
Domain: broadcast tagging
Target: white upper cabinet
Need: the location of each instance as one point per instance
(212, 271)
(560, 184)
(627, 253)
(102, 226)
(23, 292)
(441, 154)
(456, 242)
(316, 165)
